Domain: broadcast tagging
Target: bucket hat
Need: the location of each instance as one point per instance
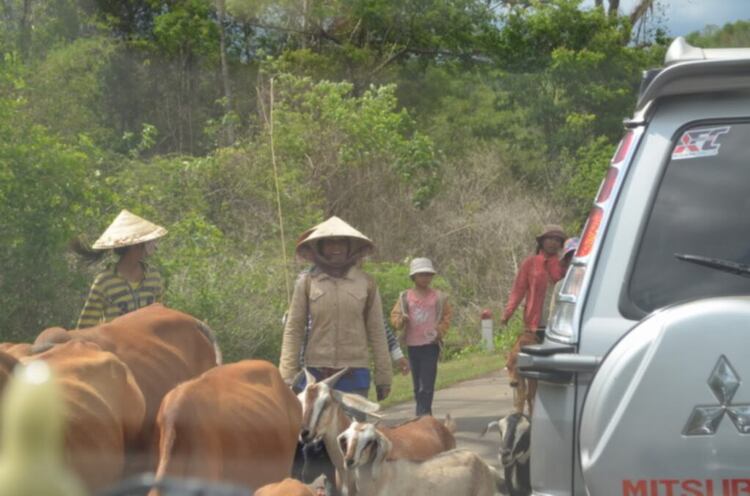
(571, 245)
(421, 266)
(334, 227)
(126, 230)
(552, 231)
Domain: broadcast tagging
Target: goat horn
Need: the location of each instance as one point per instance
(309, 378)
(331, 381)
(492, 424)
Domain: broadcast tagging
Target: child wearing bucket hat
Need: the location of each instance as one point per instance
(424, 314)
(128, 284)
(533, 284)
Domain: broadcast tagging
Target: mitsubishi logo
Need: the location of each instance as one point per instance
(705, 419)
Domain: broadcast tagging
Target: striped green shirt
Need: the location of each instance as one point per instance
(111, 295)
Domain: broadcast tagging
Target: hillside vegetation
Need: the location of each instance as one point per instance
(452, 129)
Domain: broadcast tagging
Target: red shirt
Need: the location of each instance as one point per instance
(537, 272)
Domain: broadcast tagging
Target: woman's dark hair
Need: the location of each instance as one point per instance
(90, 255)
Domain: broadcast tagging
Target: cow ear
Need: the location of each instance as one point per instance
(357, 402)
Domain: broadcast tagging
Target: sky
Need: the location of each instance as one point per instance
(685, 16)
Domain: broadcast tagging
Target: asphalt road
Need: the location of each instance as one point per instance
(472, 404)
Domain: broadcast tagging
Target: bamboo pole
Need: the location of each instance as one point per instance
(278, 197)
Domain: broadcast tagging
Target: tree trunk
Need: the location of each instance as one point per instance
(614, 7)
(225, 71)
(305, 7)
(24, 30)
(640, 10)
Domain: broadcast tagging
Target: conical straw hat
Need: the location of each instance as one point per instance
(126, 230)
(334, 227)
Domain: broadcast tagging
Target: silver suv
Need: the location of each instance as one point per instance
(644, 377)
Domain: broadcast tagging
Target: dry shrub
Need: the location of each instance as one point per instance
(477, 231)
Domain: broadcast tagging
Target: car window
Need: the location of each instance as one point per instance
(701, 208)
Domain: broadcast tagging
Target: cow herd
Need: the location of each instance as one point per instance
(147, 392)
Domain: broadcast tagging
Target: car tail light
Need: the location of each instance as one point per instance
(565, 320)
(561, 325)
(607, 185)
(590, 232)
(623, 148)
(574, 281)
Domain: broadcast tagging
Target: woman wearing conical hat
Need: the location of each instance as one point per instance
(345, 308)
(128, 284)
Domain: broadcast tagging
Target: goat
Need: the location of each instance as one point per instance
(324, 417)
(456, 472)
(515, 434)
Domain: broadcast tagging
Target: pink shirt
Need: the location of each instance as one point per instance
(421, 328)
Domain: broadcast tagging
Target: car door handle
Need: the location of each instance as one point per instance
(559, 362)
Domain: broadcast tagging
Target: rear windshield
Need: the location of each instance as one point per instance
(702, 208)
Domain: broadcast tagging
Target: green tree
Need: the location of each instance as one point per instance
(736, 34)
(46, 195)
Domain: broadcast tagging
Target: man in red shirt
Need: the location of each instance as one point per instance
(534, 282)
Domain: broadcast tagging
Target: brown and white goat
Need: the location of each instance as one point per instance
(457, 472)
(515, 434)
(324, 417)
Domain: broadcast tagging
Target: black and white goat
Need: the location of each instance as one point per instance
(515, 434)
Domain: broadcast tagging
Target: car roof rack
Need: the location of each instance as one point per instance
(690, 69)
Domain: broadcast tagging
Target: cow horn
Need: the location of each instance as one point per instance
(331, 381)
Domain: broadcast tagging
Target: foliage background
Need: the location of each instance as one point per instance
(452, 129)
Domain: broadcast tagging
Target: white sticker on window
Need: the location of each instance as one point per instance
(699, 143)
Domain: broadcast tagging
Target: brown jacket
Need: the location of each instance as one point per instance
(444, 314)
(346, 316)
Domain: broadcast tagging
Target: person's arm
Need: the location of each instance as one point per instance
(93, 310)
(518, 292)
(397, 316)
(393, 346)
(445, 319)
(397, 355)
(159, 290)
(554, 268)
(294, 330)
(377, 339)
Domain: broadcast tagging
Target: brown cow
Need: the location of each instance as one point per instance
(162, 347)
(237, 423)
(287, 487)
(18, 350)
(104, 409)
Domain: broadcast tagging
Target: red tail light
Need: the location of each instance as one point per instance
(590, 233)
(623, 148)
(607, 185)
